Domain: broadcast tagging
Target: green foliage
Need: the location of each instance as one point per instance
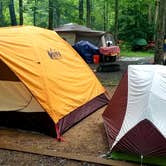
(133, 20)
(5, 19)
(133, 15)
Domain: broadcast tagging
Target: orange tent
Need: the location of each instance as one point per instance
(40, 72)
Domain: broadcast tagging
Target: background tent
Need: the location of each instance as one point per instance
(74, 33)
(41, 75)
(135, 117)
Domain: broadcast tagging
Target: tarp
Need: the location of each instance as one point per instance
(86, 50)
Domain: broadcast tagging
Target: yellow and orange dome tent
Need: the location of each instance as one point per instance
(41, 73)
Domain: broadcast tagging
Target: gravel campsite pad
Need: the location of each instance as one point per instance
(86, 138)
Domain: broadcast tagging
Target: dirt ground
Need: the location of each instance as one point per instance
(86, 138)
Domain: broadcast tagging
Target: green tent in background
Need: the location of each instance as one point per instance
(138, 44)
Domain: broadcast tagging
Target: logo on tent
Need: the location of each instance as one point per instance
(54, 54)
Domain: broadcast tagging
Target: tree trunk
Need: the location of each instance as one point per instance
(21, 11)
(160, 31)
(156, 11)
(116, 20)
(88, 13)
(81, 11)
(12, 13)
(107, 14)
(58, 14)
(1, 14)
(150, 14)
(50, 15)
(104, 15)
(92, 19)
(156, 17)
(34, 13)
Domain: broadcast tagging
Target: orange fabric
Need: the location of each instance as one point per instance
(54, 73)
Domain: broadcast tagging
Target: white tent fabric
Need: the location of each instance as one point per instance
(146, 98)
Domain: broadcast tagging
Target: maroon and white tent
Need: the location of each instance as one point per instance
(135, 119)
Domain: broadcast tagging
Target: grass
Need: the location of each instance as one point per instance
(128, 53)
(108, 83)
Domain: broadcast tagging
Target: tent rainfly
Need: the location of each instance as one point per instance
(135, 117)
(44, 83)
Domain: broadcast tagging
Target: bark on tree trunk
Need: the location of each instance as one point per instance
(160, 31)
(107, 14)
(88, 13)
(106, 6)
(1, 14)
(116, 20)
(156, 11)
(104, 15)
(34, 13)
(58, 15)
(12, 13)
(21, 11)
(156, 16)
(150, 14)
(50, 17)
(81, 11)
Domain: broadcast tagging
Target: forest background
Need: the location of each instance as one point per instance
(127, 20)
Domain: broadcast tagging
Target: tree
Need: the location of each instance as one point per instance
(133, 20)
(57, 12)
(34, 13)
(21, 11)
(105, 14)
(81, 11)
(156, 11)
(1, 14)
(160, 31)
(88, 13)
(150, 14)
(116, 20)
(50, 17)
(12, 13)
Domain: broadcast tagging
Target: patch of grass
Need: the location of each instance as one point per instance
(108, 83)
(128, 53)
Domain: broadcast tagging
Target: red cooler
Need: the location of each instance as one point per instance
(96, 59)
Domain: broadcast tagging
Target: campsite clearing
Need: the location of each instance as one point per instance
(87, 138)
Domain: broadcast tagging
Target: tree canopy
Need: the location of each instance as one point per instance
(126, 19)
(136, 18)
